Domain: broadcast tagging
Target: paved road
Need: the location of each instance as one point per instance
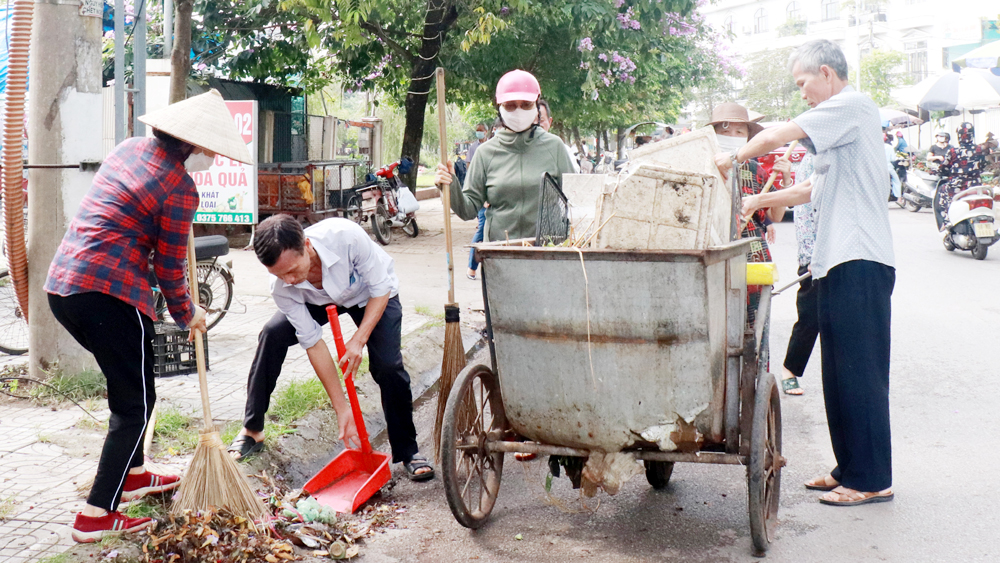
(945, 396)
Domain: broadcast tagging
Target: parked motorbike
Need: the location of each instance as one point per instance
(973, 225)
(215, 280)
(388, 203)
(918, 190)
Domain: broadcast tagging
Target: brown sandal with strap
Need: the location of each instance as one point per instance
(824, 483)
(842, 496)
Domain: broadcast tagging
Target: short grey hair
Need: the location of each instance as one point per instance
(817, 53)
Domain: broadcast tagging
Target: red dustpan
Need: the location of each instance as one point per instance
(353, 476)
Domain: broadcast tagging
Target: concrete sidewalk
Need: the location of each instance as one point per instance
(46, 451)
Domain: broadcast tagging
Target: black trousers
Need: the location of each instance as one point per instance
(806, 328)
(121, 340)
(854, 323)
(385, 360)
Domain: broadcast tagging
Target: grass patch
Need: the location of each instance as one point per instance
(147, 507)
(428, 312)
(7, 507)
(61, 558)
(79, 387)
(297, 399)
(45, 438)
(176, 431)
(426, 180)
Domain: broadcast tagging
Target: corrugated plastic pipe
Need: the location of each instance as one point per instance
(13, 152)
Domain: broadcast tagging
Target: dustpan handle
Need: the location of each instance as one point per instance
(352, 394)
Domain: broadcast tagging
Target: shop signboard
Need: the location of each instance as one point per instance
(228, 189)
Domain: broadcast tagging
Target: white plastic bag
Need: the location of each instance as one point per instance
(407, 201)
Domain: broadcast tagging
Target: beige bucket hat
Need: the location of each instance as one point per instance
(203, 121)
(735, 113)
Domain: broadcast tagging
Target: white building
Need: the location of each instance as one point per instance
(931, 33)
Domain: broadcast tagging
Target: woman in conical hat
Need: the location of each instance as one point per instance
(142, 200)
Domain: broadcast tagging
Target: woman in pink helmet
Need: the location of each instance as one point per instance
(508, 168)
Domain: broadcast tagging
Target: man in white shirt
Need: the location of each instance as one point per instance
(852, 265)
(332, 262)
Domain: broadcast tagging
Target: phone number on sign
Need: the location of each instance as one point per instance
(239, 218)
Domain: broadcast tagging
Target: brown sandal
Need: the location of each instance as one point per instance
(842, 496)
(824, 483)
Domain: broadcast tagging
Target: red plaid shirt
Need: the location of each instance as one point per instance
(142, 200)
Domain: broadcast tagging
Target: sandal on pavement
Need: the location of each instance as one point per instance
(824, 483)
(842, 496)
(415, 464)
(791, 386)
(244, 446)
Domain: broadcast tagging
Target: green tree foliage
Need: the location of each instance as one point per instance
(879, 76)
(769, 87)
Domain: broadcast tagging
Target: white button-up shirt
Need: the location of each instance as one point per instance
(355, 269)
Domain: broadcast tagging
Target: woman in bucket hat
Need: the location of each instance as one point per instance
(142, 200)
(733, 128)
(508, 168)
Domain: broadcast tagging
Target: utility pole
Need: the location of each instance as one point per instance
(64, 127)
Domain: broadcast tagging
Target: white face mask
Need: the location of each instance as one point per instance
(198, 162)
(730, 144)
(519, 119)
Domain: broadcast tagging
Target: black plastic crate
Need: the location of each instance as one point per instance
(172, 353)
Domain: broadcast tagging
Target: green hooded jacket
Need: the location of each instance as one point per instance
(507, 172)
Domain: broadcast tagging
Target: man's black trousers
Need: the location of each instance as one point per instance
(854, 325)
(806, 328)
(385, 360)
(121, 340)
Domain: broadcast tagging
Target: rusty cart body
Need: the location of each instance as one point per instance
(646, 352)
(310, 190)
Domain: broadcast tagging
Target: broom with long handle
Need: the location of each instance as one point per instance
(213, 479)
(454, 350)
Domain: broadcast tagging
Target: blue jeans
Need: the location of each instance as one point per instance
(478, 238)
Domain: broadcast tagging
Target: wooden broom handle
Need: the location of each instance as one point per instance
(199, 346)
(445, 190)
(774, 174)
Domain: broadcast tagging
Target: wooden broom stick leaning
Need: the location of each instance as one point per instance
(454, 351)
(774, 174)
(214, 480)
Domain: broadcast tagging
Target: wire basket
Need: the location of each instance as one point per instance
(553, 213)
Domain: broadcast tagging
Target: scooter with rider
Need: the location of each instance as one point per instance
(963, 208)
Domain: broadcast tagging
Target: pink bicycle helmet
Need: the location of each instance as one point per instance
(518, 85)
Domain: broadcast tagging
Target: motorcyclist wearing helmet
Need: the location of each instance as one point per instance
(901, 144)
(960, 171)
(508, 168)
(940, 148)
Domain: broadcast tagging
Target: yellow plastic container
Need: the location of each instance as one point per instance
(762, 273)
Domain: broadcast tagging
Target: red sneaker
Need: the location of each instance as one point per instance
(148, 483)
(88, 529)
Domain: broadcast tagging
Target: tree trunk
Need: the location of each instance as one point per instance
(180, 59)
(620, 142)
(597, 143)
(607, 144)
(576, 139)
(438, 20)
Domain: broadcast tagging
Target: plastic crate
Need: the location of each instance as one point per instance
(172, 353)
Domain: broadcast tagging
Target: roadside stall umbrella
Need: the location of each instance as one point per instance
(896, 117)
(987, 56)
(951, 91)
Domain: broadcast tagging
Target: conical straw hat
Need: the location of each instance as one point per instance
(203, 121)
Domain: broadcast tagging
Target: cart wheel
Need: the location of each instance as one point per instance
(382, 224)
(764, 471)
(473, 418)
(658, 473)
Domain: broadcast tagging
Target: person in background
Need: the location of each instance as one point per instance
(961, 169)
(733, 129)
(482, 133)
(901, 144)
(852, 265)
(890, 158)
(806, 328)
(545, 122)
(940, 149)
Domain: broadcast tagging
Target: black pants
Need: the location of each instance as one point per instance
(806, 329)
(121, 340)
(384, 359)
(854, 323)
